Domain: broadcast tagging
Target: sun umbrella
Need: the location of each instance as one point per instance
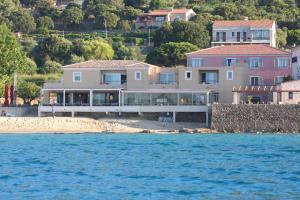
(11, 94)
(6, 102)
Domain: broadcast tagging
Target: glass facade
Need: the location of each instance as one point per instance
(105, 99)
(164, 99)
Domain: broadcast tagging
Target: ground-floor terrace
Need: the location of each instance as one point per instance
(265, 95)
(171, 105)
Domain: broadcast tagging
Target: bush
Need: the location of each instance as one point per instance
(45, 22)
(39, 79)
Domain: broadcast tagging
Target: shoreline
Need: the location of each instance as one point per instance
(67, 125)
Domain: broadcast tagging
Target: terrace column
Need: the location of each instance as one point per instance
(275, 98)
(91, 98)
(206, 118)
(174, 117)
(71, 98)
(119, 98)
(64, 98)
(207, 98)
(236, 98)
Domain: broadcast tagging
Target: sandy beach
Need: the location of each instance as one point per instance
(87, 125)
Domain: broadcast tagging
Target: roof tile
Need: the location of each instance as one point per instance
(253, 49)
(265, 23)
(107, 64)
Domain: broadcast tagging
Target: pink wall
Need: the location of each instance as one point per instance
(268, 72)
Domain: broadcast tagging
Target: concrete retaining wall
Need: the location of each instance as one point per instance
(256, 118)
(20, 111)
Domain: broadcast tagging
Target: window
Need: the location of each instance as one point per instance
(209, 77)
(282, 62)
(238, 36)
(137, 76)
(279, 79)
(230, 62)
(188, 75)
(244, 36)
(295, 59)
(261, 35)
(218, 37)
(229, 75)
(232, 34)
(255, 81)
(159, 19)
(223, 39)
(290, 95)
(197, 62)
(76, 76)
(255, 62)
(114, 78)
(167, 78)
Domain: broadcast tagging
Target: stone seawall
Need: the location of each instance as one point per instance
(256, 118)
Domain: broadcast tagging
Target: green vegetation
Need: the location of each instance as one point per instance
(170, 54)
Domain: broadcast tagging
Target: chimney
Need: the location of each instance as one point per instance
(246, 18)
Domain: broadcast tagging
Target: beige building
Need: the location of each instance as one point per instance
(157, 18)
(123, 86)
(287, 93)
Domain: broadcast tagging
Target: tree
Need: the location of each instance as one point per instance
(72, 16)
(13, 59)
(228, 10)
(136, 3)
(110, 19)
(29, 3)
(76, 59)
(124, 26)
(182, 31)
(23, 21)
(28, 91)
(281, 39)
(130, 13)
(7, 7)
(44, 7)
(32, 68)
(55, 47)
(97, 49)
(170, 54)
(45, 22)
(51, 67)
(293, 37)
(159, 4)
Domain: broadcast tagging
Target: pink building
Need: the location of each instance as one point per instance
(257, 66)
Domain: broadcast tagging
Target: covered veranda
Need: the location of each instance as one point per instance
(255, 94)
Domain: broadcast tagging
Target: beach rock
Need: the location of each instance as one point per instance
(146, 131)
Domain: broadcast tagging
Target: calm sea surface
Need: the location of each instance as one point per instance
(112, 166)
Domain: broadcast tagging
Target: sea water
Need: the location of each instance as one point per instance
(133, 166)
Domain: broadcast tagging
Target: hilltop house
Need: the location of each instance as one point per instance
(250, 71)
(125, 86)
(244, 32)
(157, 18)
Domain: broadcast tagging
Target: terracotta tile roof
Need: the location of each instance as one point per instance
(265, 23)
(166, 12)
(107, 64)
(253, 49)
